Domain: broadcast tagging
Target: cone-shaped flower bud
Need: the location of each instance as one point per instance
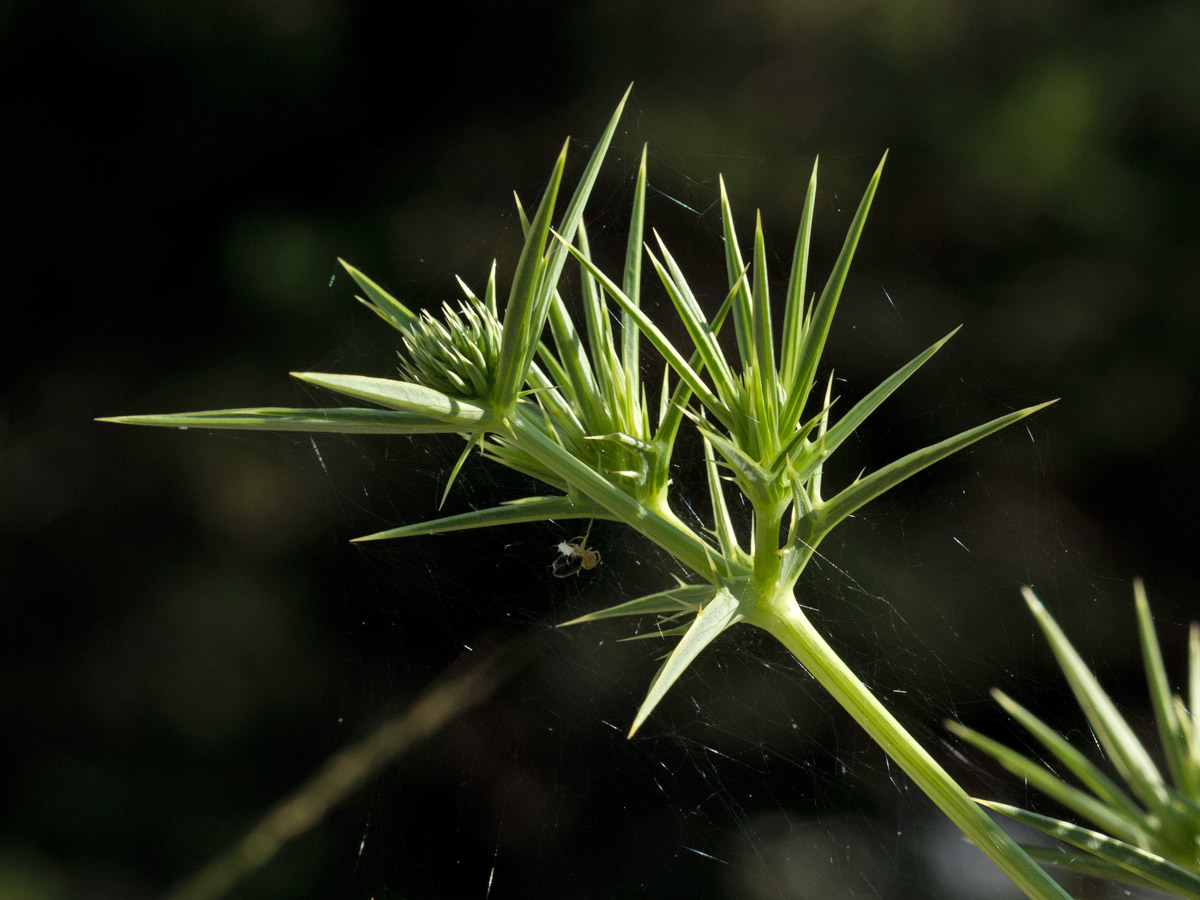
(456, 354)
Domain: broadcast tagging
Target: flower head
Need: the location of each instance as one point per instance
(456, 354)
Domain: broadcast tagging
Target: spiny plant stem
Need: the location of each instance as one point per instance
(661, 526)
(784, 619)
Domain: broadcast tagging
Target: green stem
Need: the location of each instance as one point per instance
(768, 520)
(664, 528)
(787, 623)
(350, 768)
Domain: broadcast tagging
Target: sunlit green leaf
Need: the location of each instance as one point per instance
(720, 613)
(1087, 772)
(381, 302)
(402, 395)
(347, 420)
(868, 488)
(528, 509)
(1120, 742)
(791, 343)
(682, 599)
(1040, 778)
(816, 334)
(1169, 734)
(1150, 866)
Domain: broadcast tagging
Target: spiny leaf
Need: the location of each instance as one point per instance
(631, 279)
(550, 265)
(1162, 873)
(867, 489)
(720, 613)
(381, 302)
(817, 332)
(1169, 733)
(852, 420)
(402, 395)
(1087, 772)
(702, 334)
(794, 309)
(528, 509)
(763, 363)
(472, 443)
(743, 328)
(345, 420)
(1042, 779)
(521, 331)
(722, 521)
(1118, 739)
(682, 599)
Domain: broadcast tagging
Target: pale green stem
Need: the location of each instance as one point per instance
(349, 769)
(767, 561)
(660, 526)
(784, 619)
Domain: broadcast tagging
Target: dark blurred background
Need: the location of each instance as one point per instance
(186, 632)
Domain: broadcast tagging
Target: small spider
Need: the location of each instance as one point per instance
(574, 555)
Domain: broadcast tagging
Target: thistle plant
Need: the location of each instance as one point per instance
(562, 400)
(1147, 830)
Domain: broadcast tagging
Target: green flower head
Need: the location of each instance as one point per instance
(456, 354)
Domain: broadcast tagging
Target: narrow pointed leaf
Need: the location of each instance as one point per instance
(1160, 872)
(344, 420)
(381, 302)
(529, 509)
(631, 280)
(401, 395)
(818, 471)
(867, 489)
(1118, 739)
(554, 258)
(683, 599)
(661, 343)
(581, 379)
(672, 411)
(1169, 733)
(1087, 772)
(521, 333)
(818, 331)
(797, 295)
(611, 384)
(722, 521)
(850, 422)
(764, 344)
(702, 334)
(720, 613)
(1084, 864)
(742, 325)
(472, 443)
(1037, 776)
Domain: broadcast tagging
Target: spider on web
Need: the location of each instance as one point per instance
(575, 555)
